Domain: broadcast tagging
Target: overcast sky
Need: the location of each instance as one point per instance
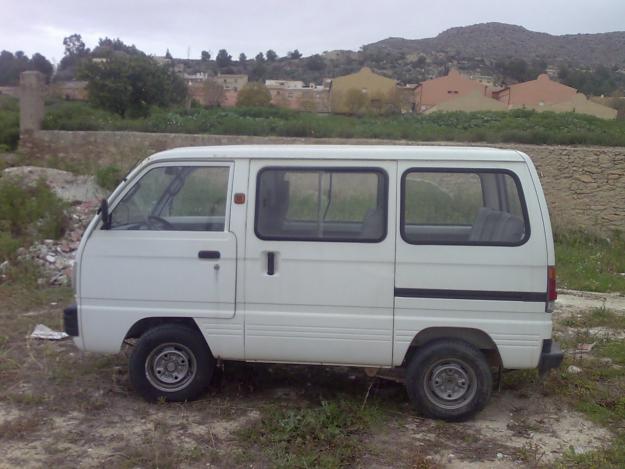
(251, 26)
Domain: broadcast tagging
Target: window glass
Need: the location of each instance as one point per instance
(462, 207)
(179, 198)
(321, 204)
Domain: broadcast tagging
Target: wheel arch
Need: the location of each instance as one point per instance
(476, 337)
(143, 325)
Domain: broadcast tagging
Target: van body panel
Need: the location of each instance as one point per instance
(517, 328)
(327, 302)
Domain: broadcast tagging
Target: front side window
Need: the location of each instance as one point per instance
(483, 207)
(178, 198)
(321, 204)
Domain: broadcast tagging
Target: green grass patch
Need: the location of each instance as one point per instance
(588, 262)
(109, 177)
(596, 317)
(614, 350)
(518, 126)
(326, 436)
(9, 123)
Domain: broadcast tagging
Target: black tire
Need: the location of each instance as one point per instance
(171, 362)
(449, 380)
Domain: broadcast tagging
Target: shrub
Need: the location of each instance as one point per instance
(108, 177)
(9, 123)
(254, 95)
(28, 213)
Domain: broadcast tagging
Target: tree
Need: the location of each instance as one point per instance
(11, 65)
(254, 94)
(168, 55)
(258, 71)
(75, 52)
(260, 57)
(41, 64)
(74, 45)
(294, 54)
(107, 46)
(242, 57)
(315, 63)
(271, 55)
(223, 59)
(131, 84)
(206, 56)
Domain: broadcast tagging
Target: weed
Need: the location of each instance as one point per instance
(20, 427)
(588, 262)
(108, 177)
(322, 436)
(596, 317)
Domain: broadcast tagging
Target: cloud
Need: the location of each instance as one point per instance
(251, 26)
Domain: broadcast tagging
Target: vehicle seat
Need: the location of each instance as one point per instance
(497, 227)
(373, 224)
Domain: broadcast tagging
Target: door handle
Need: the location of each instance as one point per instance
(271, 263)
(209, 255)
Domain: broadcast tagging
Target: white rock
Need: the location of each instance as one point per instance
(51, 259)
(574, 369)
(499, 456)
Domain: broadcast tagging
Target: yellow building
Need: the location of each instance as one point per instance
(582, 105)
(473, 102)
(357, 91)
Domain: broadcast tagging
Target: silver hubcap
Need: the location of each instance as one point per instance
(450, 383)
(170, 367)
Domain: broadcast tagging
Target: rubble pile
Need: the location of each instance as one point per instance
(56, 257)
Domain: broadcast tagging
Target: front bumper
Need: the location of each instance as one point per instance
(550, 357)
(70, 320)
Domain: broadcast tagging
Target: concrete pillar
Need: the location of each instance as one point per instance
(32, 96)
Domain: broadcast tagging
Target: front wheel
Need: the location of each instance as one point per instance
(449, 380)
(171, 362)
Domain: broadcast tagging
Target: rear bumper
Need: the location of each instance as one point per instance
(550, 357)
(70, 320)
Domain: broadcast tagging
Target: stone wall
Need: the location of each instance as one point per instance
(584, 186)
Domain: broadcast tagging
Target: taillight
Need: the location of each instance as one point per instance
(552, 293)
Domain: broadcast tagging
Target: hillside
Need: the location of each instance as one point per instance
(497, 41)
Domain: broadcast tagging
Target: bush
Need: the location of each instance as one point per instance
(9, 123)
(254, 95)
(108, 177)
(28, 214)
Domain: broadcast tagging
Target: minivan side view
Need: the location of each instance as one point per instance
(436, 263)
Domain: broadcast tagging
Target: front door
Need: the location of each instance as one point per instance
(319, 270)
(168, 251)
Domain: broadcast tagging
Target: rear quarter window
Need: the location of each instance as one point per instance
(465, 206)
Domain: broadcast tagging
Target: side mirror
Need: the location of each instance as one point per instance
(103, 211)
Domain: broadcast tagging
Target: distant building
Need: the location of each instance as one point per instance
(231, 82)
(375, 87)
(302, 99)
(473, 102)
(285, 84)
(532, 94)
(433, 92)
(582, 105)
(69, 90)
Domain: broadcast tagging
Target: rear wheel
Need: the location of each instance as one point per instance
(171, 362)
(449, 380)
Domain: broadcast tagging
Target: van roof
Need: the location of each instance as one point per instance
(355, 152)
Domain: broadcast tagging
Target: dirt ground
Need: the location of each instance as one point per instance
(62, 408)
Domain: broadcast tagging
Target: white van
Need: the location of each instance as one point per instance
(437, 262)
